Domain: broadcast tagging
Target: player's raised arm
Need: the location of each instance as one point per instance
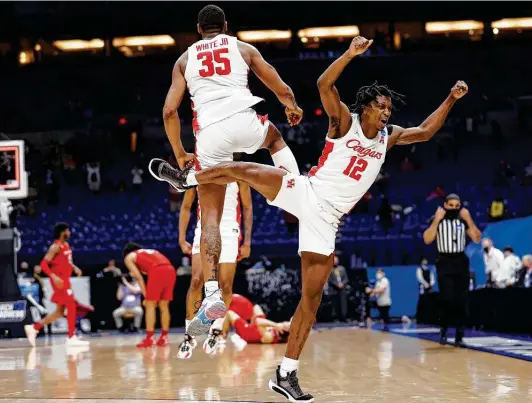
(172, 125)
(184, 219)
(271, 79)
(432, 124)
(338, 112)
(131, 265)
(247, 209)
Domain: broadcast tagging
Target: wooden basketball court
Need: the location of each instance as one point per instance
(338, 365)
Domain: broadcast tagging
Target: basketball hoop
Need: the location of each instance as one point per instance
(13, 175)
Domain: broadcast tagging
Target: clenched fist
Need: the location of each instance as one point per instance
(459, 90)
(358, 46)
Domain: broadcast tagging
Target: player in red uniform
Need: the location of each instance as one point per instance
(250, 323)
(355, 149)
(158, 292)
(58, 265)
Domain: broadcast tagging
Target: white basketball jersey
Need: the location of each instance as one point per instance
(217, 79)
(347, 168)
(231, 216)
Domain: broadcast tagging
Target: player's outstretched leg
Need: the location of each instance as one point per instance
(315, 270)
(265, 179)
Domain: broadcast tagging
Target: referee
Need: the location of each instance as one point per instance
(449, 227)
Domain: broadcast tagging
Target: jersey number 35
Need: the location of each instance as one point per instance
(214, 62)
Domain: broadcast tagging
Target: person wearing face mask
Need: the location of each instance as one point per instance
(382, 291)
(496, 274)
(449, 228)
(512, 265)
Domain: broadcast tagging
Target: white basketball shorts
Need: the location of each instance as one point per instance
(242, 132)
(317, 226)
(230, 243)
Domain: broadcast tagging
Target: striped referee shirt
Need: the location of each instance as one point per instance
(451, 235)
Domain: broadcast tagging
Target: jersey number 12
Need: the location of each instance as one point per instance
(214, 62)
(355, 168)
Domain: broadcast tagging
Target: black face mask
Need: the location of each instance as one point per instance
(486, 250)
(452, 213)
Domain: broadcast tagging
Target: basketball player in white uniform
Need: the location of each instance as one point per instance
(237, 203)
(215, 71)
(355, 148)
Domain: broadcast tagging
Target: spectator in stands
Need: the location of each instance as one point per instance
(111, 268)
(94, 179)
(525, 277)
(425, 277)
(185, 269)
(128, 294)
(338, 281)
(494, 263)
(382, 291)
(137, 178)
(512, 265)
(497, 210)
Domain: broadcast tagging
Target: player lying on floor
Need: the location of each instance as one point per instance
(250, 323)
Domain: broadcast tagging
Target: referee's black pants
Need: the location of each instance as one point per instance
(452, 270)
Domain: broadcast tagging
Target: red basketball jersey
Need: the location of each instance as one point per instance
(149, 259)
(61, 264)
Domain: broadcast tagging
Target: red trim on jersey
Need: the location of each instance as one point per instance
(263, 119)
(327, 149)
(195, 123)
(197, 165)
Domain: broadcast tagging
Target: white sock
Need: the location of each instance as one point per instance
(284, 158)
(218, 324)
(288, 365)
(187, 322)
(211, 287)
(191, 179)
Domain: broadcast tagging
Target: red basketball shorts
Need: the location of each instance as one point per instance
(248, 332)
(161, 281)
(242, 307)
(62, 296)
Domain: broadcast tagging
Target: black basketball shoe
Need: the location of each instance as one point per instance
(289, 387)
(164, 172)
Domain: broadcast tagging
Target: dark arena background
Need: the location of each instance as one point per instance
(82, 89)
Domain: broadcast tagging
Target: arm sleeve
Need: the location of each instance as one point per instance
(45, 266)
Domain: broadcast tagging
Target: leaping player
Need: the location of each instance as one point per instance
(215, 71)
(58, 265)
(159, 291)
(236, 194)
(355, 148)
